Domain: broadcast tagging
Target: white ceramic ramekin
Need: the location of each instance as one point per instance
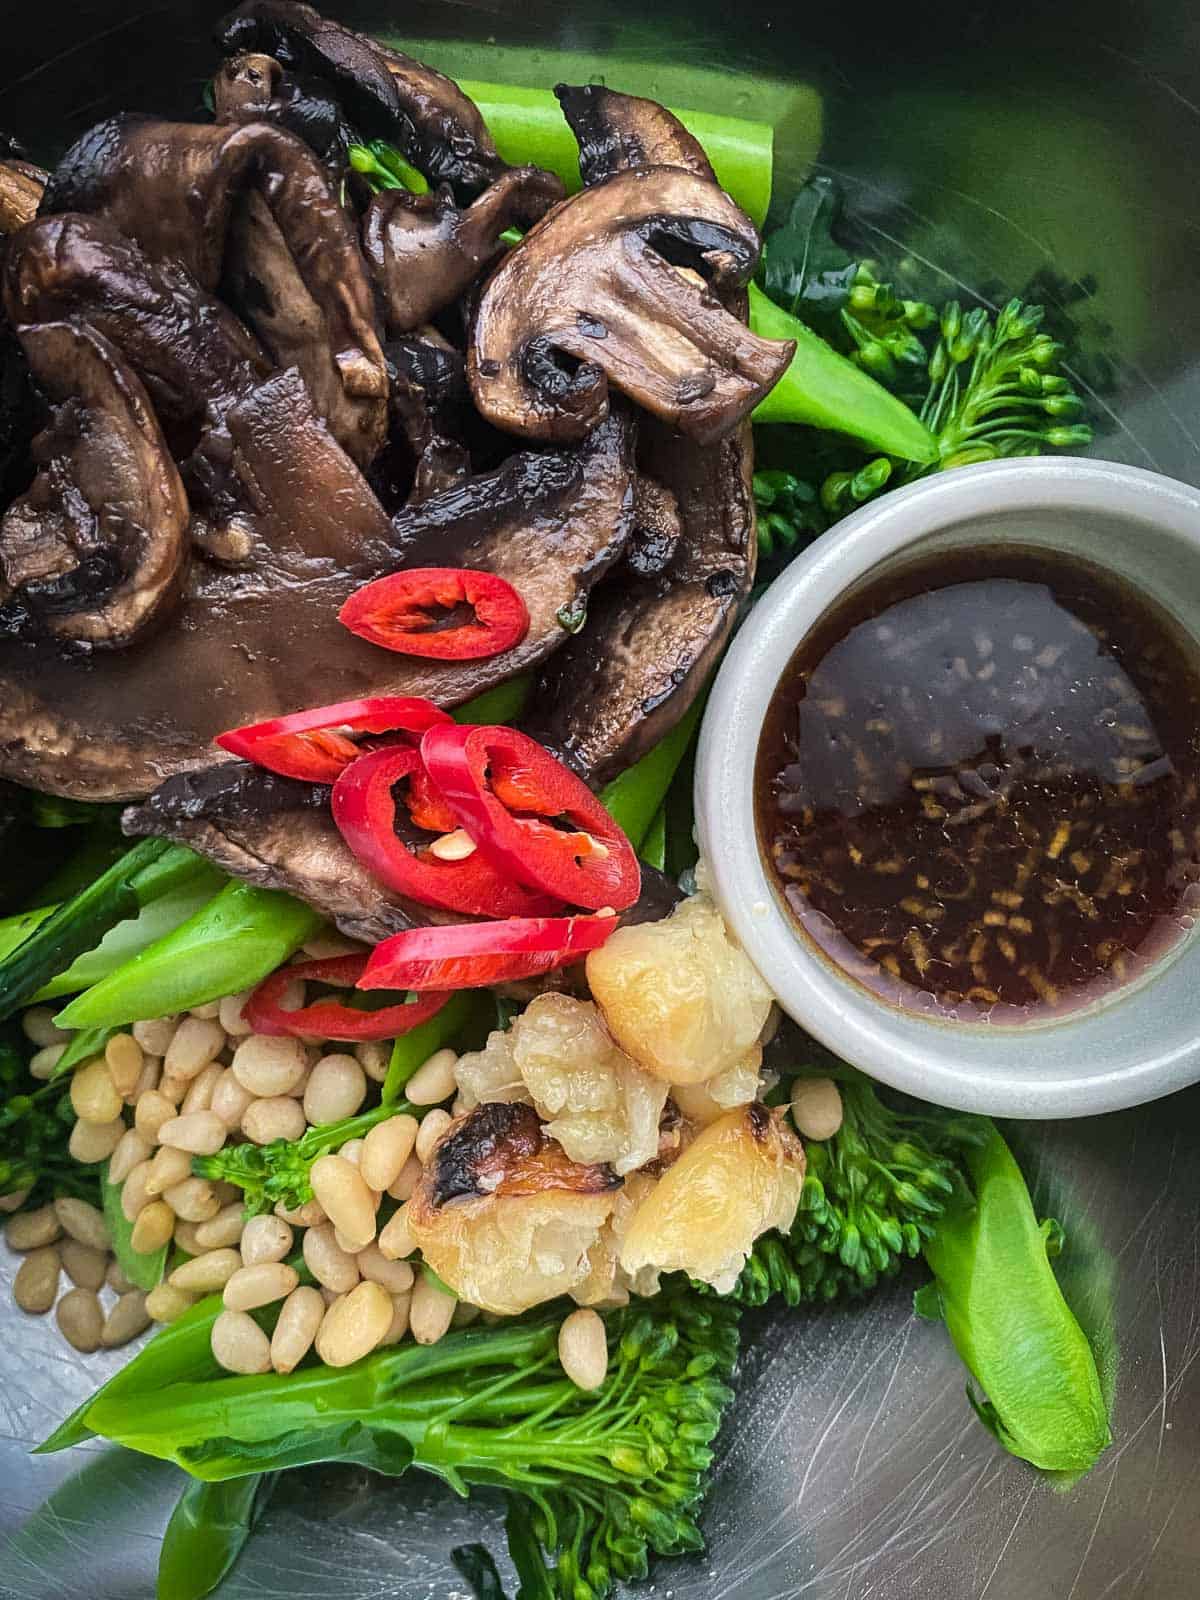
(1139, 1043)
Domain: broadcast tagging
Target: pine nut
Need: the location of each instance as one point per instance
(465, 1315)
(354, 1326)
(195, 1044)
(195, 1200)
(396, 1241)
(265, 1239)
(329, 945)
(431, 1310)
(329, 1297)
(148, 1078)
(269, 1066)
(36, 1282)
(345, 1198)
(406, 1183)
(133, 1191)
(39, 1027)
(168, 1168)
(83, 1222)
(125, 1060)
(374, 1057)
(207, 1273)
(155, 1227)
(583, 1348)
(43, 1062)
(80, 1319)
(125, 1321)
(250, 1287)
(202, 1133)
(15, 1200)
(95, 1141)
(33, 1229)
(433, 1082)
(299, 1318)
(185, 1237)
(166, 1303)
(208, 1012)
(230, 1100)
(151, 1111)
(395, 1276)
(386, 1148)
(456, 846)
(401, 1304)
(130, 1151)
(352, 1151)
(332, 1267)
(94, 1094)
(239, 1344)
(229, 1013)
(433, 1126)
(816, 1107)
(224, 1229)
(173, 1086)
(310, 1215)
(336, 1088)
(277, 1117)
(85, 1266)
(155, 1036)
(199, 1097)
(116, 1279)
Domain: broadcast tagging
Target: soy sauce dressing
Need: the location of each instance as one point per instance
(978, 785)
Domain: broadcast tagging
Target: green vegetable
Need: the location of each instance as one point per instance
(205, 1535)
(82, 1046)
(385, 168)
(150, 869)
(281, 1172)
(234, 941)
(16, 929)
(654, 845)
(826, 390)
(468, 1011)
(634, 798)
(504, 703)
(606, 1477)
(872, 1196)
(145, 1269)
(35, 1125)
(1003, 1308)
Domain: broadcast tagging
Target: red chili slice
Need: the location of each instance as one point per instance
(312, 745)
(475, 954)
(445, 613)
(512, 796)
(364, 808)
(331, 1019)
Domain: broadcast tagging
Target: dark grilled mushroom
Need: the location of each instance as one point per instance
(620, 132)
(650, 641)
(247, 209)
(95, 550)
(594, 295)
(657, 528)
(255, 88)
(21, 186)
(386, 94)
(426, 251)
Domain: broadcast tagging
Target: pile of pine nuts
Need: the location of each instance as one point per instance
(178, 1087)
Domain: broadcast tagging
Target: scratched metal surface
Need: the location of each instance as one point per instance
(989, 146)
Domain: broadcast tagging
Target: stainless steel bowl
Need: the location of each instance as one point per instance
(993, 142)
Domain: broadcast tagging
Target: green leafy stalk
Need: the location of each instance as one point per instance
(145, 1269)
(872, 1196)
(467, 1012)
(234, 941)
(607, 1478)
(634, 798)
(280, 1173)
(205, 1535)
(35, 1126)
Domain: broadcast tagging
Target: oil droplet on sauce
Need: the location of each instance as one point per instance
(979, 781)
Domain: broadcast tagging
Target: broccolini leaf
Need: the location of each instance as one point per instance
(806, 271)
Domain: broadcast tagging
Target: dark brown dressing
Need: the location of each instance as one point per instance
(978, 785)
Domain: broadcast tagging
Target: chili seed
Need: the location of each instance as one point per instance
(354, 1325)
(239, 1344)
(299, 1318)
(125, 1321)
(36, 1282)
(250, 1287)
(433, 1082)
(583, 1348)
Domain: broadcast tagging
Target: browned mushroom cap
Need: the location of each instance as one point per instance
(21, 187)
(594, 294)
(243, 87)
(618, 132)
(250, 208)
(255, 88)
(387, 94)
(426, 252)
(94, 552)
